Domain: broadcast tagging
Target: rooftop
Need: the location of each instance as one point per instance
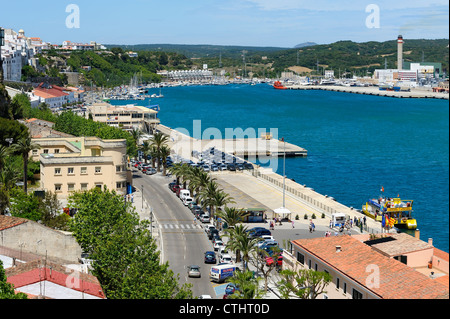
(396, 280)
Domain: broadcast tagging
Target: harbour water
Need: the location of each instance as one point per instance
(356, 143)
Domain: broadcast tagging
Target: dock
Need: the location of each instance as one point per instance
(414, 93)
(184, 145)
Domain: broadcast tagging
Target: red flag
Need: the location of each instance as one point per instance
(382, 189)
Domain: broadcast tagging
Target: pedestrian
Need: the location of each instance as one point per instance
(293, 224)
(331, 223)
(313, 227)
(365, 220)
(132, 198)
(310, 227)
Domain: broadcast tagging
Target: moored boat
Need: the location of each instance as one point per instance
(393, 212)
(277, 85)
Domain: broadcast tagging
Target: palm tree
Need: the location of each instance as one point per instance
(164, 152)
(234, 234)
(3, 155)
(154, 155)
(248, 286)
(232, 216)
(220, 199)
(145, 148)
(199, 180)
(23, 147)
(137, 134)
(159, 140)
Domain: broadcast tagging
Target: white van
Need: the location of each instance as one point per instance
(221, 273)
(187, 200)
(184, 193)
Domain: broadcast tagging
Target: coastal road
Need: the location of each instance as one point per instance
(183, 241)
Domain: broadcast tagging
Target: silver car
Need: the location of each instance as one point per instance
(194, 271)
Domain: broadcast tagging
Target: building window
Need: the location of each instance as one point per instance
(84, 186)
(119, 185)
(70, 171)
(57, 171)
(84, 170)
(45, 151)
(71, 187)
(345, 288)
(58, 188)
(310, 264)
(118, 168)
(356, 294)
(98, 170)
(35, 152)
(98, 186)
(57, 151)
(301, 258)
(315, 267)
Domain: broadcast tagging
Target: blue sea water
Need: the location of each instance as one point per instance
(356, 143)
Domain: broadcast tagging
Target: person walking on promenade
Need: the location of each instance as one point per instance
(293, 224)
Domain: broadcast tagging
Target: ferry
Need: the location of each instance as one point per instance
(277, 85)
(399, 211)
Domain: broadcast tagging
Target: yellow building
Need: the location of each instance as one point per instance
(82, 163)
(127, 117)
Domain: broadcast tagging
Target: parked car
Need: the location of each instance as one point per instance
(218, 244)
(212, 233)
(210, 257)
(258, 232)
(194, 271)
(150, 171)
(225, 259)
(184, 193)
(231, 167)
(249, 166)
(270, 261)
(223, 167)
(187, 200)
(205, 218)
(209, 227)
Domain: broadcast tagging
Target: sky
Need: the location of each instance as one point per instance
(278, 23)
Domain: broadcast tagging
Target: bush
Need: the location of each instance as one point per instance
(297, 217)
(305, 217)
(313, 216)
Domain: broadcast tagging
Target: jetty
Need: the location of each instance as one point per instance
(265, 146)
(372, 90)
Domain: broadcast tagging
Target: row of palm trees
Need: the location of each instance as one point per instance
(156, 147)
(208, 194)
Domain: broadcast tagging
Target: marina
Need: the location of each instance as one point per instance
(414, 93)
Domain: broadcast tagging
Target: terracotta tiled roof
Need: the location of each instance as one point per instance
(440, 254)
(396, 280)
(33, 272)
(8, 222)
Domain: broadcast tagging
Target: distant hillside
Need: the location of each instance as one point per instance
(361, 57)
(200, 51)
(305, 44)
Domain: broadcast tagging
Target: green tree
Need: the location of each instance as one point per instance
(126, 261)
(23, 147)
(303, 284)
(248, 286)
(7, 289)
(159, 140)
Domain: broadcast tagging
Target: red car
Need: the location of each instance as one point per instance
(270, 261)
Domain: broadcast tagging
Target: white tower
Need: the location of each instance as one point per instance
(400, 53)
